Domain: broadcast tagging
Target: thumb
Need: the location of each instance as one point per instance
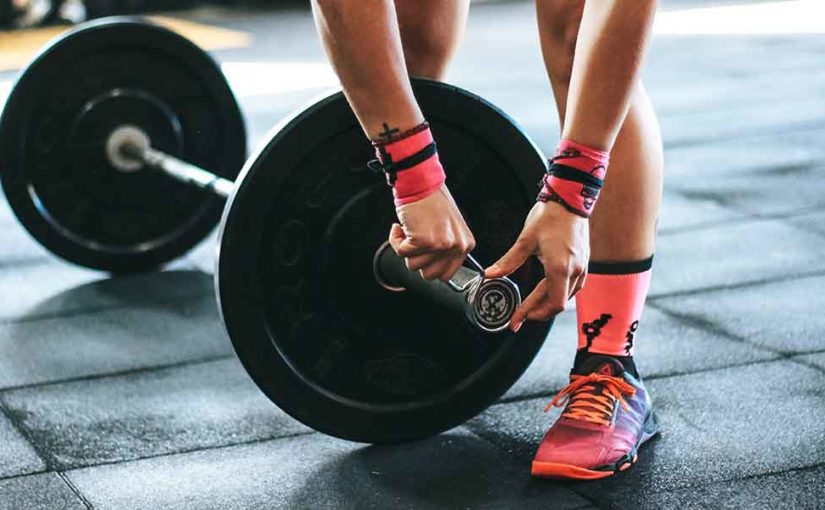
(399, 242)
(510, 261)
(396, 236)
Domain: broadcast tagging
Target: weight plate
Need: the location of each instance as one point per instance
(53, 132)
(295, 280)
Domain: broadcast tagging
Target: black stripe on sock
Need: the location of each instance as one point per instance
(638, 266)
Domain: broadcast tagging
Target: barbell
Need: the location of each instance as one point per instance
(119, 145)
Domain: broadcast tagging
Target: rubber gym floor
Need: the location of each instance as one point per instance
(124, 393)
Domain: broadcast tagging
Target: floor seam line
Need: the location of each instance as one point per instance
(746, 217)
(68, 469)
(75, 490)
(25, 434)
(706, 325)
(120, 373)
(24, 475)
(736, 286)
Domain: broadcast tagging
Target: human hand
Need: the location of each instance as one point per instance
(560, 240)
(432, 236)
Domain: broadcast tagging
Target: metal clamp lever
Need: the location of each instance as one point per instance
(487, 303)
(469, 283)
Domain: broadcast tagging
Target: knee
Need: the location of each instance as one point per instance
(559, 22)
(426, 52)
(426, 64)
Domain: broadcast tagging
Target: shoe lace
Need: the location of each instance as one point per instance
(585, 402)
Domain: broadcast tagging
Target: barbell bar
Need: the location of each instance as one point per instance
(487, 304)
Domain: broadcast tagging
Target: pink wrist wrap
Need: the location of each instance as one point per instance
(411, 165)
(575, 177)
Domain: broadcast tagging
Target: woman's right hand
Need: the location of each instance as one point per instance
(432, 236)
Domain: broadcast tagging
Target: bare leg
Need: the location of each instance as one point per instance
(623, 224)
(593, 68)
(368, 56)
(603, 80)
(363, 41)
(431, 31)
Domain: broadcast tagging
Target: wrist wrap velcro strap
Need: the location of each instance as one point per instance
(411, 165)
(575, 178)
(391, 168)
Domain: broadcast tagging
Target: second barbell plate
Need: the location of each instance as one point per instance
(53, 132)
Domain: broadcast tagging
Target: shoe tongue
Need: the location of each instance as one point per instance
(600, 364)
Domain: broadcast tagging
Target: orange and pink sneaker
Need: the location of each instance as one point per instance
(607, 415)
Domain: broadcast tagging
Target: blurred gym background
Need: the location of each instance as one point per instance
(33, 13)
(130, 391)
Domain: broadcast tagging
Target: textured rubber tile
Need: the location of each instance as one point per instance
(18, 249)
(679, 212)
(54, 288)
(733, 254)
(783, 315)
(453, 470)
(756, 156)
(799, 489)
(759, 180)
(785, 191)
(817, 359)
(664, 346)
(718, 425)
(38, 289)
(740, 121)
(719, 90)
(7, 218)
(814, 222)
(139, 336)
(17, 457)
(45, 491)
(145, 414)
(57, 289)
(18, 246)
(204, 255)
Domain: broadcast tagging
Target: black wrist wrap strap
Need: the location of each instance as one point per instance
(591, 186)
(391, 168)
(568, 173)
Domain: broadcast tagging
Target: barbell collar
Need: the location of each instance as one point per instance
(488, 304)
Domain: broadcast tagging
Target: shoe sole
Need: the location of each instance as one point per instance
(558, 471)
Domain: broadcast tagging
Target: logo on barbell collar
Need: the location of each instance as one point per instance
(494, 304)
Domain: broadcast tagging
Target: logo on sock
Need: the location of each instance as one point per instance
(593, 329)
(631, 333)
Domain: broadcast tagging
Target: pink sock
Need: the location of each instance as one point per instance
(609, 307)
